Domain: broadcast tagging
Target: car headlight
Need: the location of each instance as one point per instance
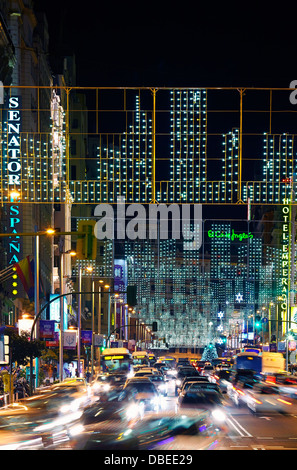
(133, 411)
(219, 415)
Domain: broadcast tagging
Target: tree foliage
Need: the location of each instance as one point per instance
(22, 348)
(209, 353)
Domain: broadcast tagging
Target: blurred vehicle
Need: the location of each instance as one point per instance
(197, 386)
(266, 362)
(189, 380)
(152, 359)
(103, 383)
(199, 365)
(116, 360)
(222, 378)
(108, 429)
(46, 420)
(161, 383)
(287, 384)
(170, 361)
(205, 400)
(182, 373)
(267, 398)
(183, 361)
(222, 362)
(248, 361)
(76, 380)
(165, 369)
(146, 371)
(107, 425)
(189, 430)
(140, 358)
(144, 393)
(208, 369)
(238, 392)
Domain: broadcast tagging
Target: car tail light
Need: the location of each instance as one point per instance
(284, 401)
(257, 401)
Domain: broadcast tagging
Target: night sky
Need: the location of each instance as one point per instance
(174, 44)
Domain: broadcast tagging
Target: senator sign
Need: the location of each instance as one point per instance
(14, 175)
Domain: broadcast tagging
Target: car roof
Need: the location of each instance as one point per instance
(139, 379)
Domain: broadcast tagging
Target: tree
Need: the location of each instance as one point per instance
(22, 348)
(209, 353)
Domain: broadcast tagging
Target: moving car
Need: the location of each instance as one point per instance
(190, 380)
(144, 393)
(222, 378)
(207, 370)
(267, 398)
(205, 400)
(189, 430)
(147, 371)
(161, 384)
(182, 373)
(103, 383)
(238, 391)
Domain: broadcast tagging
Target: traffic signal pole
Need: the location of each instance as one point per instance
(79, 293)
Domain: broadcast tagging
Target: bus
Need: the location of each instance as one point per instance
(252, 349)
(152, 359)
(140, 358)
(116, 360)
(248, 360)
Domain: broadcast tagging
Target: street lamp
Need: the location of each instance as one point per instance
(61, 342)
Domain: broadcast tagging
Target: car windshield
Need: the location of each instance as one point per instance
(198, 398)
(157, 378)
(141, 387)
(184, 372)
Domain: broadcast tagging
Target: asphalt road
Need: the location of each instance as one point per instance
(248, 431)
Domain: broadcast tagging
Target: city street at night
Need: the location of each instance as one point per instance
(148, 235)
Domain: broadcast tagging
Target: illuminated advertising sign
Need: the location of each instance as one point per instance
(14, 176)
(46, 329)
(232, 235)
(54, 309)
(285, 259)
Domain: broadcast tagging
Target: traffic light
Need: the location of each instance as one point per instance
(86, 246)
(258, 322)
(132, 296)
(154, 326)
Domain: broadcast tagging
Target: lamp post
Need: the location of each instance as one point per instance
(79, 321)
(61, 341)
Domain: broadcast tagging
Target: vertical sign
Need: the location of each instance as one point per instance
(120, 285)
(13, 151)
(285, 258)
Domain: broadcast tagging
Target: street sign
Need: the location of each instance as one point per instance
(4, 349)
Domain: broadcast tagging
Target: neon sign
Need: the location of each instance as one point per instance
(14, 173)
(232, 235)
(285, 242)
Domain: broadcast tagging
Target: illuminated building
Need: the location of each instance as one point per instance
(30, 161)
(188, 145)
(124, 161)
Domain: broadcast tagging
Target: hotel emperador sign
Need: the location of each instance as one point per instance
(285, 257)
